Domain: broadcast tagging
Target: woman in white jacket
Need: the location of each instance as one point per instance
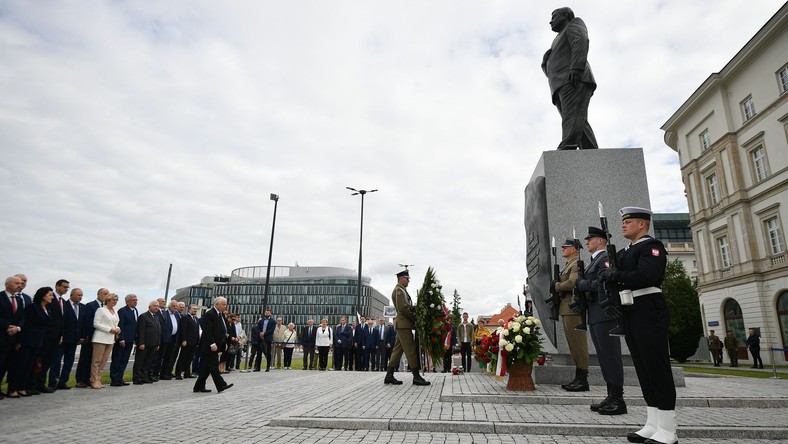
(106, 325)
(323, 343)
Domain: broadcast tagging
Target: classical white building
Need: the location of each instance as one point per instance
(732, 139)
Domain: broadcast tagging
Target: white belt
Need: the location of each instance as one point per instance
(645, 291)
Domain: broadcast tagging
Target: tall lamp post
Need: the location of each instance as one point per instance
(275, 198)
(360, 241)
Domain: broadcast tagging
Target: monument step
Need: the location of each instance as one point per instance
(511, 428)
(562, 374)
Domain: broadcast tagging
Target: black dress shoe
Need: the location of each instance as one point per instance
(202, 390)
(45, 390)
(615, 407)
(63, 387)
(116, 384)
(124, 383)
(634, 437)
(138, 382)
(226, 386)
(179, 378)
(596, 407)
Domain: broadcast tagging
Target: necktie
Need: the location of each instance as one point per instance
(310, 331)
(61, 303)
(13, 303)
(76, 310)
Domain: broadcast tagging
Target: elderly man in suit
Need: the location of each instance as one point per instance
(72, 336)
(12, 304)
(571, 81)
(381, 344)
(148, 342)
(212, 342)
(121, 351)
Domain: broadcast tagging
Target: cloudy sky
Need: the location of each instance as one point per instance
(139, 134)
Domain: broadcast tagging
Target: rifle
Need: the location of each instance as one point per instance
(555, 299)
(580, 299)
(612, 303)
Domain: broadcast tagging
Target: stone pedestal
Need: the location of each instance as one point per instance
(563, 194)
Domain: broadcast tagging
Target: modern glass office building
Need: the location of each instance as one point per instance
(296, 294)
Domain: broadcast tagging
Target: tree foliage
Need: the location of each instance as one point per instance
(686, 325)
(456, 310)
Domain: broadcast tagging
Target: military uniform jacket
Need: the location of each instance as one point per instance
(715, 343)
(592, 284)
(406, 318)
(731, 343)
(642, 265)
(565, 286)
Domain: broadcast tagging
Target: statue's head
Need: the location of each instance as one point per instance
(560, 18)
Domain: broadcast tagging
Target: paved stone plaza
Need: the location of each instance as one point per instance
(306, 407)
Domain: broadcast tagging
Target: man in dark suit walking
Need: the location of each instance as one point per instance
(188, 338)
(121, 351)
(169, 341)
(87, 329)
(571, 81)
(72, 335)
(148, 341)
(212, 342)
(308, 338)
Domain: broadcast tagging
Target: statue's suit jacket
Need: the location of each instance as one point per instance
(569, 51)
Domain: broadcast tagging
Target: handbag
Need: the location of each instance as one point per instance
(232, 348)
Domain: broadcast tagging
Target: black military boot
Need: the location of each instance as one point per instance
(390, 377)
(617, 406)
(606, 401)
(574, 381)
(582, 382)
(418, 380)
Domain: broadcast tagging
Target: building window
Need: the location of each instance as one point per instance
(759, 163)
(776, 241)
(748, 108)
(782, 79)
(705, 141)
(714, 189)
(725, 251)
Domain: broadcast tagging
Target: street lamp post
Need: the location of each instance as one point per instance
(275, 198)
(360, 242)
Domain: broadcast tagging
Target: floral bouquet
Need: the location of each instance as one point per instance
(521, 340)
(483, 352)
(432, 320)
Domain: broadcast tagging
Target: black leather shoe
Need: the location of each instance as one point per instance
(202, 390)
(124, 383)
(116, 384)
(45, 390)
(564, 386)
(226, 386)
(581, 386)
(179, 378)
(63, 387)
(596, 407)
(615, 407)
(138, 382)
(634, 437)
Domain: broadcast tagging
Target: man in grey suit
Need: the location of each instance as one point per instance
(571, 81)
(608, 348)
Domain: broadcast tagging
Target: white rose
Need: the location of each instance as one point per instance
(518, 339)
(503, 342)
(432, 305)
(515, 327)
(521, 318)
(499, 330)
(509, 347)
(527, 330)
(528, 322)
(506, 332)
(537, 321)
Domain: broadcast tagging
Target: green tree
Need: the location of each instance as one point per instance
(456, 310)
(686, 326)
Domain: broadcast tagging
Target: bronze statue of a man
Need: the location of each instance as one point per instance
(571, 82)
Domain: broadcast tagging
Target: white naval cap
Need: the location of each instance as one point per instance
(635, 212)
